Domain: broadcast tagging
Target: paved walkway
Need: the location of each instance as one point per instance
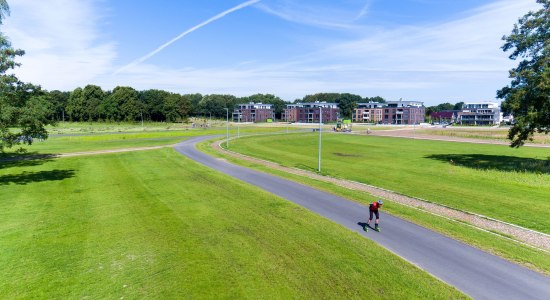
(532, 238)
(475, 272)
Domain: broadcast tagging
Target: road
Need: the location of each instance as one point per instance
(474, 272)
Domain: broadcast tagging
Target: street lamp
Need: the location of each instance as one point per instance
(227, 126)
(320, 130)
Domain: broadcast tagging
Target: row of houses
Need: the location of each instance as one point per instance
(391, 112)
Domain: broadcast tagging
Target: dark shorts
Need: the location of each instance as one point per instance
(374, 212)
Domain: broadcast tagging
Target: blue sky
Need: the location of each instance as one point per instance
(425, 50)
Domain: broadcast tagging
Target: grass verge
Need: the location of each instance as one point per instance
(153, 224)
(512, 185)
(493, 243)
(122, 136)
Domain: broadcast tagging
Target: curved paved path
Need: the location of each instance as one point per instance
(476, 273)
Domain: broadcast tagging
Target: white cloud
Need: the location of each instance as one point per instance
(468, 44)
(62, 41)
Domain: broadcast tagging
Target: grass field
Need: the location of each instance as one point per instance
(512, 185)
(484, 133)
(493, 243)
(124, 136)
(153, 224)
(109, 127)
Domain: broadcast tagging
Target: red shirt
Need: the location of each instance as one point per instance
(374, 206)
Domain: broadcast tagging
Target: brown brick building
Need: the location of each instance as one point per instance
(368, 112)
(253, 112)
(403, 112)
(310, 112)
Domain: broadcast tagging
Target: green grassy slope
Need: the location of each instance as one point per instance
(512, 185)
(498, 244)
(153, 224)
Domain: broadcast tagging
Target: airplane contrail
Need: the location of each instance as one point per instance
(216, 17)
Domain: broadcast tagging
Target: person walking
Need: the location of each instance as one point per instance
(373, 210)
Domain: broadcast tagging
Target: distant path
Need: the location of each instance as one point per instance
(411, 133)
(476, 273)
(82, 153)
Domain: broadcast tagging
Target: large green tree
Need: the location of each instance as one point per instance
(527, 97)
(58, 100)
(194, 100)
(176, 107)
(153, 101)
(127, 101)
(24, 108)
(347, 104)
(92, 96)
(216, 104)
(75, 105)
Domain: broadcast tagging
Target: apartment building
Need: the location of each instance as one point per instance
(370, 112)
(480, 113)
(311, 112)
(403, 112)
(253, 112)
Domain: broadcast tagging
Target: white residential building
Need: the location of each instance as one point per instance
(480, 113)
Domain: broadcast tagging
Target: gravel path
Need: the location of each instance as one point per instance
(95, 152)
(533, 238)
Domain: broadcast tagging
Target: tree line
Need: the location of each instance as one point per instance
(91, 103)
(443, 107)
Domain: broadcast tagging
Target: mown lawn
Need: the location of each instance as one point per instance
(501, 245)
(152, 224)
(125, 137)
(483, 133)
(512, 185)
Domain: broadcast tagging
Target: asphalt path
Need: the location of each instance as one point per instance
(474, 272)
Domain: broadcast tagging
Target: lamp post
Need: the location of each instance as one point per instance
(239, 125)
(227, 126)
(320, 130)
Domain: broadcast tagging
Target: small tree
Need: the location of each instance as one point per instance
(22, 105)
(527, 98)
